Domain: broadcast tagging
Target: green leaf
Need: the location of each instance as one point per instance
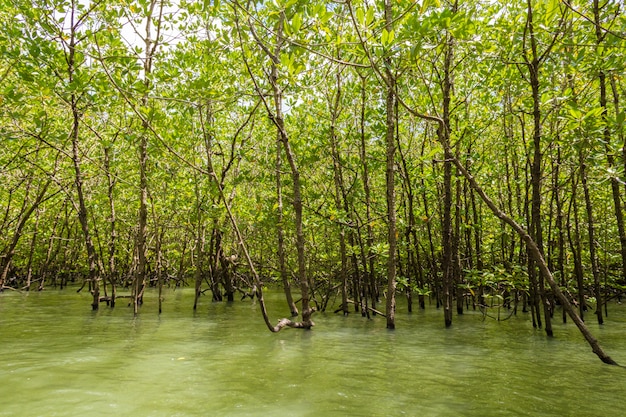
(387, 37)
(287, 62)
(594, 113)
(575, 113)
(427, 3)
(369, 17)
(296, 22)
(360, 15)
(551, 9)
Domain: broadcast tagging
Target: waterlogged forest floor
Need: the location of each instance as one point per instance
(62, 359)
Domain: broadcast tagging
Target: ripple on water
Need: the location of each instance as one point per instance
(61, 359)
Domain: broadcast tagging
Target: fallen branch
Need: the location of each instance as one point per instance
(373, 310)
(534, 251)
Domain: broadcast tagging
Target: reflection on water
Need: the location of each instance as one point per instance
(61, 359)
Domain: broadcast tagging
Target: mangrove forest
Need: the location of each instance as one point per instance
(365, 158)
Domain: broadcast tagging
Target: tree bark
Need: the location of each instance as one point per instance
(341, 203)
(591, 230)
(111, 181)
(371, 285)
(619, 215)
(615, 187)
(448, 246)
(94, 273)
(534, 64)
(390, 107)
(280, 231)
(276, 116)
(150, 45)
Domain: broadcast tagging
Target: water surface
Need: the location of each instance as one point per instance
(58, 358)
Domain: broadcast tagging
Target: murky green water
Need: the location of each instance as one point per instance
(57, 358)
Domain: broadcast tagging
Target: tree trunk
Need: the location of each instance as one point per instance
(536, 229)
(433, 263)
(200, 259)
(142, 226)
(410, 235)
(576, 249)
(341, 203)
(81, 208)
(31, 251)
(390, 107)
(278, 120)
(447, 263)
(371, 285)
(592, 239)
(282, 263)
(619, 215)
(560, 244)
(111, 181)
(456, 251)
(615, 188)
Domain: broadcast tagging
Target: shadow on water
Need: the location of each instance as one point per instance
(60, 359)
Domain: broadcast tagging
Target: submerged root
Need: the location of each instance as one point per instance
(285, 322)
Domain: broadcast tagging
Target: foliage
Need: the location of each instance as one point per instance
(201, 105)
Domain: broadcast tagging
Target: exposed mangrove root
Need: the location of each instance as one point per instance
(284, 322)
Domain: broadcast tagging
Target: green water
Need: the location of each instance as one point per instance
(57, 358)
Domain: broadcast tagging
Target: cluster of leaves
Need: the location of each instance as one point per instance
(202, 104)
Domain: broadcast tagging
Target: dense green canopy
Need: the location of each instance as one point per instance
(334, 133)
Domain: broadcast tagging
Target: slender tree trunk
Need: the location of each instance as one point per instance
(215, 254)
(297, 205)
(371, 286)
(390, 108)
(142, 226)
(340, 193)
(447, 264)
(592, 239)
(576, 249)
(560, 244)
(534, 65)
(282, 263)
(433, 262)
(456, 250)
(615, 188)
(94, 278)
(410, 235)
(113, 229)
(277, 118)
(159, 267)
(200, 258)
(31, 251)
(619, 215)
